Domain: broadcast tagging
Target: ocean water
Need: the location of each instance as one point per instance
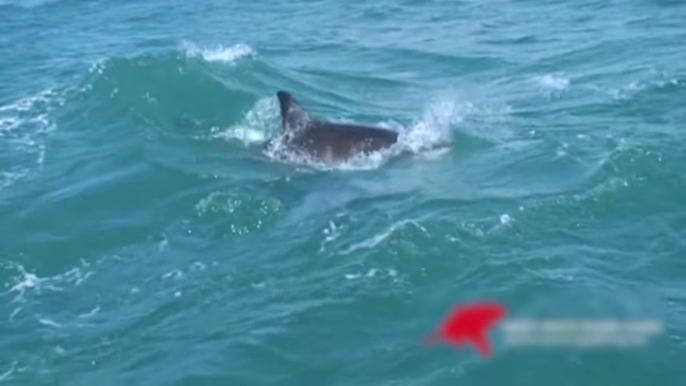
(146, 237)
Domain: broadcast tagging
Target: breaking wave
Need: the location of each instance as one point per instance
(170, 96)
(218, 53)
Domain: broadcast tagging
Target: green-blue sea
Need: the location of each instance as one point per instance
(148, 237)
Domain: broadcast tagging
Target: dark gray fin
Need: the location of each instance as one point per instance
(293, 117)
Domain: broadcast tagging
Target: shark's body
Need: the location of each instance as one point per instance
(326, 141)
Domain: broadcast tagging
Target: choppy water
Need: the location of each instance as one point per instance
(146, 237)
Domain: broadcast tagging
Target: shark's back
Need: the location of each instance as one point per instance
(329, 141)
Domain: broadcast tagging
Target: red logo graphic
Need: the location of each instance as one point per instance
(470, 324)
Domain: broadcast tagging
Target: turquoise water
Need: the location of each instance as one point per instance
(147, 238)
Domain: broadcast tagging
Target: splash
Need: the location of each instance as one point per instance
(218, 53)
(433, 128)
(255, 128)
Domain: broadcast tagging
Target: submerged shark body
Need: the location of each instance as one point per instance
(326, 141)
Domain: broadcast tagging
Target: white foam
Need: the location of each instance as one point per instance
(76, 276)
(28, 281)
(634, 87)
(218, 53)
(553, 81)
(379, 238)
(174, 274)
(243, 134)
(370, 274)
(49, 322)
(90, 313)
(434, 126)
(14, 313)
(626, 91)
(607, 186)
(332, 233)
(8, 123)
(31, 283)
(30, 102)
(23, 125)
(162, 245)
(259, 123)
(9, 372)
(9, 178)
(98, 66)
(219, 202)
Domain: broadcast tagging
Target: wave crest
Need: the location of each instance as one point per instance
(218, 53)
(23, 126)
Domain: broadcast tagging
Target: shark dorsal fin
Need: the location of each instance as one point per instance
(293, 116)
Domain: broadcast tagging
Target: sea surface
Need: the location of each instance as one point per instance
(148, 238)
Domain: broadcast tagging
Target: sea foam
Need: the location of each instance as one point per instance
(218, 53)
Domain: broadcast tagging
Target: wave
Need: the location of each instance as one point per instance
(174, 97)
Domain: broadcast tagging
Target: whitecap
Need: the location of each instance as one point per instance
(218, 53)
(553, 81)
(48, 322)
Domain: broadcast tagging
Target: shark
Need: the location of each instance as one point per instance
(326, 141)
